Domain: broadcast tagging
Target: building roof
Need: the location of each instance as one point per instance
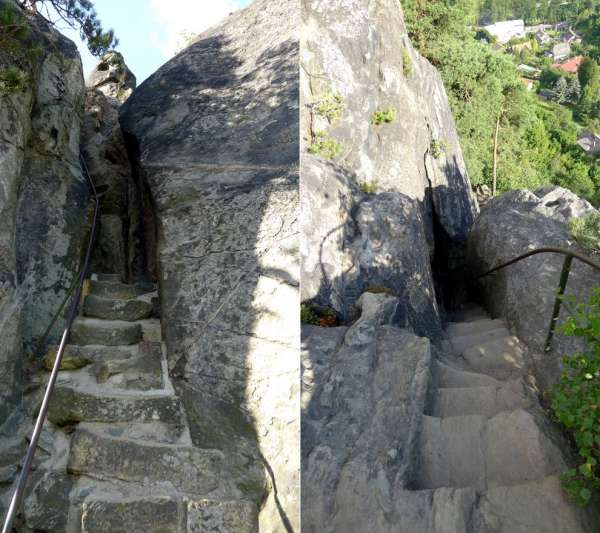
(561, 50)
(570, 66)
(504, 31)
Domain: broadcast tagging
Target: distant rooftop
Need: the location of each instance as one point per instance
(506, 30)
(571, 66)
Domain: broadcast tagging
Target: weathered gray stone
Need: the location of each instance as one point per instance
(158, 514)
(69, 405)
(112, 309)
(109, 333)
(207, 516)
(48, 508)
(143, 372)
(362, 407)
(363, 54)
(112, 289)
(524, 293)
(216, 158)
(75, 357)
(112, 77)
(192, 470)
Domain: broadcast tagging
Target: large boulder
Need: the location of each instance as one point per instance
(524, 293)
(43, 205)
(363, 397)
(221, 165)
(358, 65)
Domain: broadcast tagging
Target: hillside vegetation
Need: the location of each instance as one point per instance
(535, 138)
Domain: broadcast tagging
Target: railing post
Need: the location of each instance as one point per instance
(564, 277)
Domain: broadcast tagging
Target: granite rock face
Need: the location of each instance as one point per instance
(112, 77)
(358, 55)
(43, 204)
(524, 293)
(364, 394)
(218, 159)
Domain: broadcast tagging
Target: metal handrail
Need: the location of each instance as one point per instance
(564, 277)
(37, 429)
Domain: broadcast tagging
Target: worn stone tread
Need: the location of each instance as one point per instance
(459, 344)
(116, 289)
(105, 332)
(500, 358)
(116, 309)
(447, 376)
(461, 329)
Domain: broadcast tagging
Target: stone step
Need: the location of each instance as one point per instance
(458, 345)
(485, 401)
(448, 377)
(107, 277)
(70, 405)
(116, 289)
(187, 469)
(75, 357)
(470, 313)
(168, 514)
(461, 329)
(115, 309)
(539, 506)
(105, 332)
(472, 451)
(500, 358)
(141, 372)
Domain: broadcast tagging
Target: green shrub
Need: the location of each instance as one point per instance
(585, 231)
(383, 116)
(12, 80)
(308, 315)
(407, 65)
(329, 105)
(368, 187)
(324, 146)
(438, 147)
(575, 400)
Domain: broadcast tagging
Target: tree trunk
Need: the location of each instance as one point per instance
(495, 168)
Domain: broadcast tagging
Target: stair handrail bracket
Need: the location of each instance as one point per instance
(41, 418)
(569, 255)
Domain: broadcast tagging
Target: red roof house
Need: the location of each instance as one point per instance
(571, 66)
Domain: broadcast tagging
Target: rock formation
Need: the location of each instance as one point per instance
(524, 293)
(354, 69)
(43, 204)
(221, 165)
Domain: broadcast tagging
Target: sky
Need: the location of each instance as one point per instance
(149, 31)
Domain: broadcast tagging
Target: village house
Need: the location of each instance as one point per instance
(589, 142)
(543, 38)
(561, 51)
(571, 66)
(506, 30)
(529, 71)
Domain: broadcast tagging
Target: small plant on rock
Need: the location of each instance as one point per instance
(329, 105)
(368, 187)
(438, 147)
(324, 146)
(383, 116)
(12, 80)
(308, 315)
(586, 231)
(575, 400)
(407, 65)
(378, 289)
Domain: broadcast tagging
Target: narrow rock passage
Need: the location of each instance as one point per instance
(485, 434)
(131, 464)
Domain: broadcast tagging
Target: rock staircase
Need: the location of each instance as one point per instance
(128, 463)
(485, 438)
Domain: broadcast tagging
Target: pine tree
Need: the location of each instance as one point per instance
(79, 14)
(561, 91)
(574, 90)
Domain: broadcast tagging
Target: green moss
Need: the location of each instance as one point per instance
(12, 80)
(369, 187)
(324, 146)
(377, 289)
(383, 116)
(308, 315)
(438, 147)
(407, 65)
(329, 105)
